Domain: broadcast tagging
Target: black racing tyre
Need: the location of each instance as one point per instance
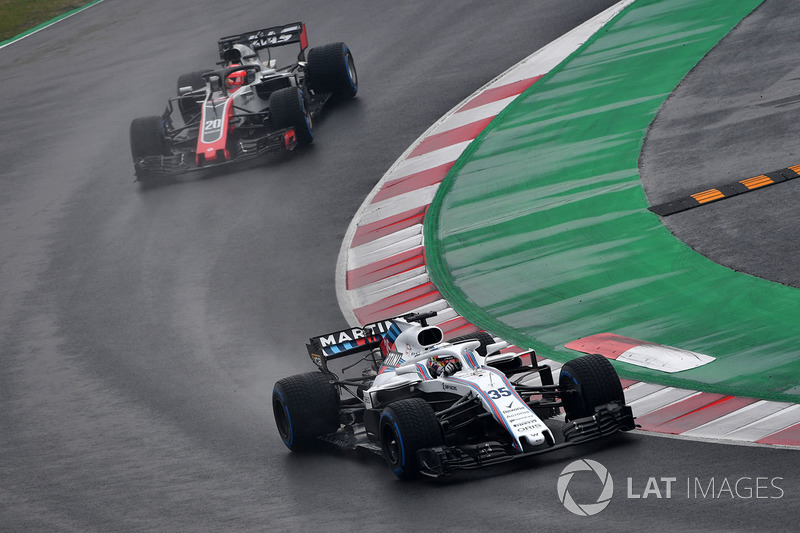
(287, 110)
(331, 69)
(147, 137)
(305, 406)
(407, 426)
(485, 339)
(595, 381)
(189, 107)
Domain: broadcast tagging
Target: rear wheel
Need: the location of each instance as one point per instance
(483, 337)
(331, 69)
(305, 406)
(287, 110)
(407, 426)
(188, 105)
(593, 382)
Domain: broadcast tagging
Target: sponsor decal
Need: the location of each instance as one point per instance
(342, 336)
(379, 328)
(214, 120)
(353, 334)
(393, 359)
(274, 37)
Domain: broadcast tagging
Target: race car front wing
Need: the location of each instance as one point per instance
(444, 460)
(278, 141)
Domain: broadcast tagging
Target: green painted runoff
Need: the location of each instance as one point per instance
(541, 234)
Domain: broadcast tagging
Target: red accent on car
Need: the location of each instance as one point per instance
(303, 38)
(213, 135)
(290, 140)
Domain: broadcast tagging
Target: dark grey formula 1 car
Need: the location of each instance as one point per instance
(432, 407)
(263, 97)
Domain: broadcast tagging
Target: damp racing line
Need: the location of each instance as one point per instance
(726, 191)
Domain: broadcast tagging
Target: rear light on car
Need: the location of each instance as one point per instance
(290, 140)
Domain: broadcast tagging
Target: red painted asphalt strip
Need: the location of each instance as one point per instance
(398, 304)
(385, 268)
(387, 226)
(413, 182)
(786, 437)
(691, 413)
(606, 344)
(451, 137)
(498, 93)
(456, 327)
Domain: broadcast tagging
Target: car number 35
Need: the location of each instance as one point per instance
(496, 394)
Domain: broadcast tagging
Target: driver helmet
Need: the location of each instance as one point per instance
(236, 79)
(438, 366)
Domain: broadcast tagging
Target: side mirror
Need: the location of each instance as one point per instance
(496, 347)
(215, 82)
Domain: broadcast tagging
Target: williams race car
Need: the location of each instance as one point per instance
(432, 407)
(260, 99)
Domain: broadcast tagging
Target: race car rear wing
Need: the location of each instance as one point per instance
(267, 38)
(338, 344)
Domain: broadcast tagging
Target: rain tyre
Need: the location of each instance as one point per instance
(147, 137)
(594, 382)
(331, 69)
(405, 427)
(483, 337)
(287, 110)
(305, 407)
(188, 105)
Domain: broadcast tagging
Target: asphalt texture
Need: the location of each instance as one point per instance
(733, 118)
(142, 330)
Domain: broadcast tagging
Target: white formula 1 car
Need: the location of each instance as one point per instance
(432, 407)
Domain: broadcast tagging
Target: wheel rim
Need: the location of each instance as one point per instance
(391, 445)
(351, 70)
(282, 420)
(306, 115)
(309, 124)
(571, 401)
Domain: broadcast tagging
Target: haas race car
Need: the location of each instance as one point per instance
(432, 407)
(262, 98)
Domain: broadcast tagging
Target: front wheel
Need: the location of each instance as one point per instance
(589, 382)
(407, 426)
(190, 106)
(147, 137)
(305, 406)
(287, 110)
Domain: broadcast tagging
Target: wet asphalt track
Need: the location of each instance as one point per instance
(142, 330)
